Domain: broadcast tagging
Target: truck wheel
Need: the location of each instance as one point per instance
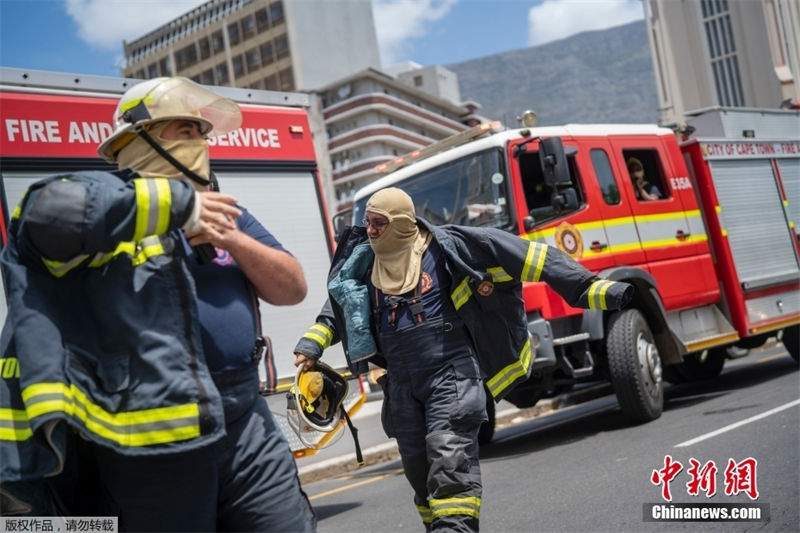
(634, 366)
(791, 341)
(695, 367)
(486, 432)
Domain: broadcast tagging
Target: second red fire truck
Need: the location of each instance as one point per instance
(714, 255)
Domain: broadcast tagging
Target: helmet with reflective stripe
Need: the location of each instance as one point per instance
(163, 99)
(315, 403)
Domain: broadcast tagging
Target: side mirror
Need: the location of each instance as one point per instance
(554, 162)
(565, 198)
(529, 223)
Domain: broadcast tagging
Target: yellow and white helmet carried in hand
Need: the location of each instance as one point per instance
(163, 99)
(315, 405)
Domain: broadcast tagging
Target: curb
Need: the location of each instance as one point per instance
(388, 451)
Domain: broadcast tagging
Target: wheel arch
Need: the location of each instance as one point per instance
(647, 299)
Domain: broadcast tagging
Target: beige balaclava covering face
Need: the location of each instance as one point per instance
(139, 156)
(398, 251)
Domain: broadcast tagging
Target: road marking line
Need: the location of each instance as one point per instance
(353, 485)
(737, 424)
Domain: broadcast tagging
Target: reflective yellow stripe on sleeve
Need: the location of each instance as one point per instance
(153, 199)
(511, 373)
(534, 262)
(320, 334)
(597, 294)
(143, 427)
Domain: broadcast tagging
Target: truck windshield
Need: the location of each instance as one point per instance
(471, 191)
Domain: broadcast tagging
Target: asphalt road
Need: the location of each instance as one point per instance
(585, 468)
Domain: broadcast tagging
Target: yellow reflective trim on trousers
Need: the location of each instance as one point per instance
(498, 274)
(425, 513)
(15, 434)
(60, 269)
(469, 506)
(74, 402)
(534, 262)
(511, 373)
(461, 293)
(597, 294)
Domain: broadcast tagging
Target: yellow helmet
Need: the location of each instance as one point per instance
(162, 99)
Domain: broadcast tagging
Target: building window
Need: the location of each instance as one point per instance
(205, 48)
(164, 67)
(267, 57)
(152, 70)
(286, 79)
(207, 77)
(722, 51)
(281, 46)
(233, 33)
(258, 84)
(221, 73)
(248, 27)
(238, 66)
(139, 74)
(276, 13)
(262, 20)
(253, 59)
(417, 81)
(217, 42)
(271, 82)
(186, 57)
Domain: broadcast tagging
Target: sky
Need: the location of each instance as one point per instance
(85, 36)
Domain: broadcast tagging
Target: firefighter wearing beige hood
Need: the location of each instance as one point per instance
(440, 307)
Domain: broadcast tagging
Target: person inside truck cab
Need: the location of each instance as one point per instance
(643, 189)
(148, 350)
(441, 309)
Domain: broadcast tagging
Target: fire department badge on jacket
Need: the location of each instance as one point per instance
(568, 240)
(485, 288)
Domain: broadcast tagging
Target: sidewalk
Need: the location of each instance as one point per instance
(376, 447)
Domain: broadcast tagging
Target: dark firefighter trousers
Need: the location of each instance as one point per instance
(434, 405)
(246, 482)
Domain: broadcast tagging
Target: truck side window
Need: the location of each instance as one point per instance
(646, 174)
(605, 176)
(538, 195)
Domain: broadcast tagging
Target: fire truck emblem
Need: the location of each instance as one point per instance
(426, 282)
(568, 239)
(486, 288)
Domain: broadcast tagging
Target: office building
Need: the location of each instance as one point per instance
(727, 53)
(262, 44)
(372, 117)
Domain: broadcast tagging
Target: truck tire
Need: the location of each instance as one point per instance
(634, 366)
(695, 367)
(791, 341)
(486, 432)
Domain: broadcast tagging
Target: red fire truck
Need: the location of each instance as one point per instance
(714, 256)
(52, 123)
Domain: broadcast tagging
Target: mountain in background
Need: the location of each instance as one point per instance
(593, 77)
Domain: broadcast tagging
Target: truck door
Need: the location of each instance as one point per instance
(622, 244)
(666, 218)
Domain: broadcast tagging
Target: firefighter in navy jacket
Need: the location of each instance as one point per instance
(108, 326)
(440, 307)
